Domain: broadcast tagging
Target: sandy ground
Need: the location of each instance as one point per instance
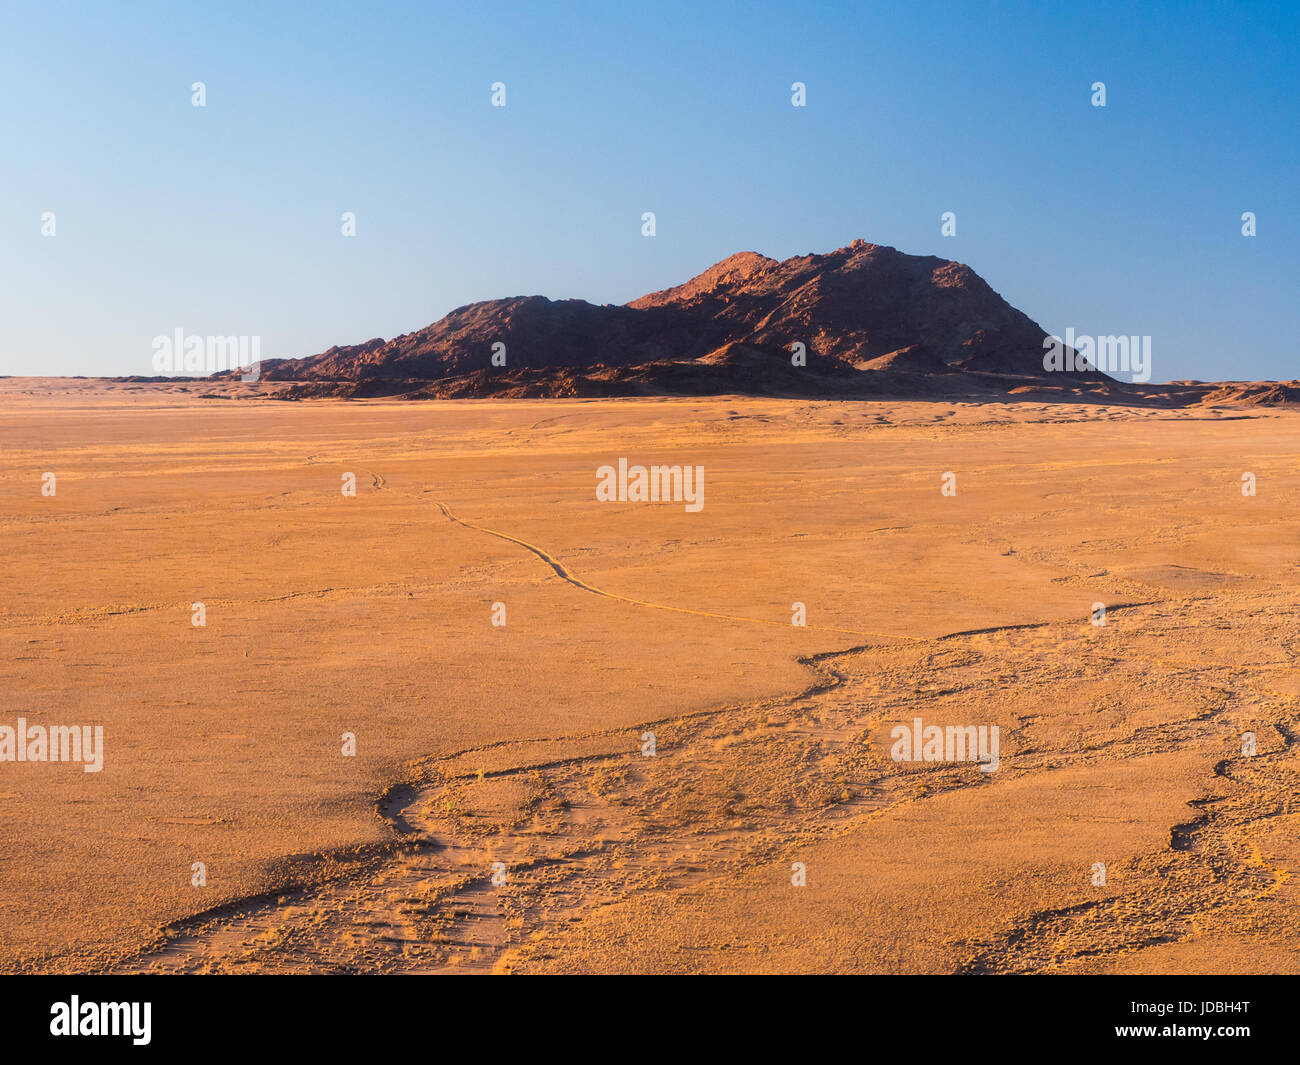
(523, 744)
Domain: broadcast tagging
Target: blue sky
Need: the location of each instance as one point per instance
(226, 219)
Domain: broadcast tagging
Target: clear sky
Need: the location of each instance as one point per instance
(225, 219)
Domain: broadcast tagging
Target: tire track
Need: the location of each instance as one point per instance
(566, 575)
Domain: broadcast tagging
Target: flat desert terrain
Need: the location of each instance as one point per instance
(648, 767)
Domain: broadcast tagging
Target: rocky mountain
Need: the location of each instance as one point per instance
(871, 320)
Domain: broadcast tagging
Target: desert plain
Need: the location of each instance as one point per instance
(648, 767)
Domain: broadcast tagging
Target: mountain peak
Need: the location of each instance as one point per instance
(733, 270)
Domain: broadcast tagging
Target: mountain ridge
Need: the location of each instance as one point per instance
(869, 319)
